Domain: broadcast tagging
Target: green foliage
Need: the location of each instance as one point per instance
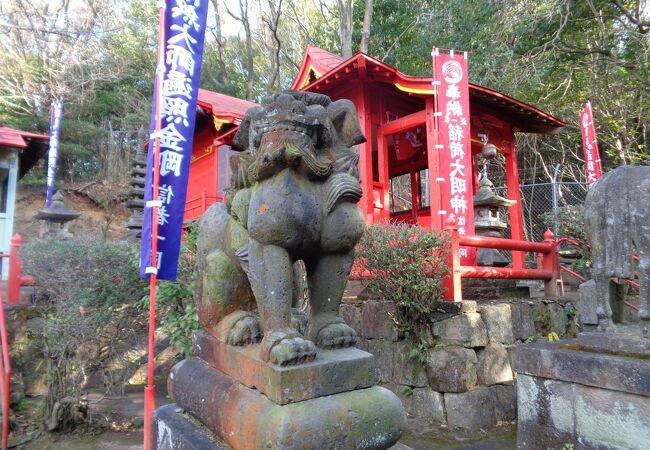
(88, 289)
(85, 270)
(407, 267)
(175, 299)
(419, 353)
(407, 390)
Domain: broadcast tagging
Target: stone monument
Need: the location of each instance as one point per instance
(56, 218)
(266, 375)
(136, 194)
(594, 391)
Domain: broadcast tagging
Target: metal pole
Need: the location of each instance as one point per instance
(555, 200)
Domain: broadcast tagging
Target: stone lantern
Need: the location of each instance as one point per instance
(56, 218)
(488, 221)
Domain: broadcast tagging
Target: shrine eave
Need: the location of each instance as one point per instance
(335, 70)
(31, 146)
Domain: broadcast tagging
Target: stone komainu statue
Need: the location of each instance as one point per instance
(617, 215)
(294, 199)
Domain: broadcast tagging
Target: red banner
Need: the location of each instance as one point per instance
(454, 144)
(593, 167)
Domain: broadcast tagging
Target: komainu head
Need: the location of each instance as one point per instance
(304, 131)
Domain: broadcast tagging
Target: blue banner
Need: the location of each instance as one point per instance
(183, 36)
(53, 153)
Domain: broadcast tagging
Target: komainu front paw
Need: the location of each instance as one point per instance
(239, 328)
(287, 348)
(336, 335)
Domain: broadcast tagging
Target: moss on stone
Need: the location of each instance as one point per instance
(219, 279)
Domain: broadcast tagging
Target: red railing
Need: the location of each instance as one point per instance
(5, 376)
(16, 278)
(547, 261)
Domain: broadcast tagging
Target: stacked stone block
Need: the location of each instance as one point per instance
(467, 379)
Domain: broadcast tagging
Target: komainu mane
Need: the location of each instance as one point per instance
(294, 198)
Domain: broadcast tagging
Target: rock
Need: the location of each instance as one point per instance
(587, 303)
(558, 318)
(406, 370)
(541, 318)
(505, 402)
(362, 344)
(493, 365)
(523, 326)
(466, 330)
(376, 320)
(468, 306)
(498, 322)
(352, 316)
(383, 351)
(472, 410)
(452, 369)
(428, 404)
(404, 393)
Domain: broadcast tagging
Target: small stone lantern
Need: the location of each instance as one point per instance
(488, 222)
(56, 218)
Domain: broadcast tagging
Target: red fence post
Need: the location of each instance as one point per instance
(13, 288)
(5, 375)
(452, 284)
(551, 261)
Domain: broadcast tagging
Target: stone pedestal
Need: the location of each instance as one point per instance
(591, 392)
(327, 403)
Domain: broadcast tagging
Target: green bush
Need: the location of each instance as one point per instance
(407, 264)
(88, 289)
(175, 306)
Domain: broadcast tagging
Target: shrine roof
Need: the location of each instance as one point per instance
(32, 146)
(223, 106)
(320, 70)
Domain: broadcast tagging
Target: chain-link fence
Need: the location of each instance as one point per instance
(538, 204)
(540, 200)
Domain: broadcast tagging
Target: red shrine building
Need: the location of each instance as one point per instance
(399, 163)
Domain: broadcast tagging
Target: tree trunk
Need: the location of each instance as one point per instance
(275, 45)
(345, 27)
(367, 22)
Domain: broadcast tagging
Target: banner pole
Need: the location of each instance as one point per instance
(150, 389)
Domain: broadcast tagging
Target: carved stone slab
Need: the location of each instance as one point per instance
(368, 418)
(332, 372)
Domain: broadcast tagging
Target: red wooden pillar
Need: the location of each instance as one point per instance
(453, 284)
(512, 181)
(433, 165)
(365, 153)
(13, 287)
(551, 261)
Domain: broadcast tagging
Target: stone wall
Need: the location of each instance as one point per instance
(467, 380)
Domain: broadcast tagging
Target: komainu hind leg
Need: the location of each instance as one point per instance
(271, 275)
(327, 278)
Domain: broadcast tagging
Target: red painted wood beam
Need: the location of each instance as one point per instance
(404, 123)
(505, 272)
(505, 244)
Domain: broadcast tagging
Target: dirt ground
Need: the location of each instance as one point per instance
(101, 206)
